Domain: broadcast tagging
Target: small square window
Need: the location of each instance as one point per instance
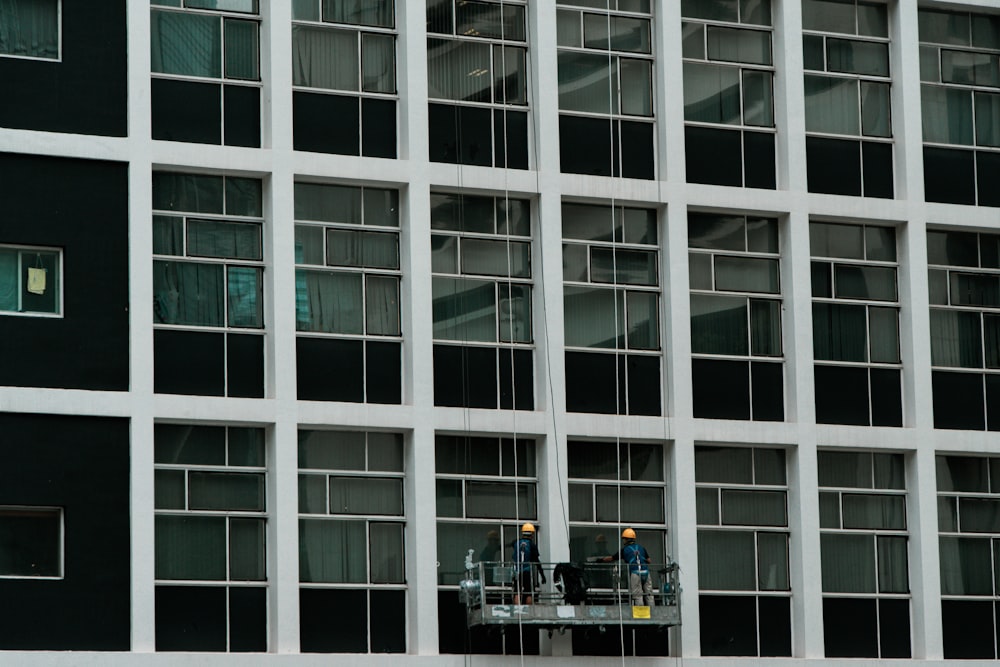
(30, 28)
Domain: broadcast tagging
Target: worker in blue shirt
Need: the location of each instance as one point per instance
(526, 559)
(637, 558)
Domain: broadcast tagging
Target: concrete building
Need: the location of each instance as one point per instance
(301, 301)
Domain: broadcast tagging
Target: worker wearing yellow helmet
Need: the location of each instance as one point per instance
(637, 558)
(526, 565)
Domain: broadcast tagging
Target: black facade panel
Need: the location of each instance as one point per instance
(465, 377)
(186, 111)
(383, 372)
(517, 379)
(850, 628)
(325, 123)
(967, 626)
(190, 618)
(584, 145)
(949, 176)
(618, 642)
(189, 362)
(720, 389)
(515, 137)
(330, 369)
(713, 156)
(728, 624)
(767, 390)
(81, 207)
(591, 384)
(833, 166)
(876, 163)
(775, 626)
(642, 377)
(325, 628)
(245, 365)
(86, 91)
(637, 150)
(247, 619)
(988, 178)
(758, 160)
(378, 128)
(242, 115)
(993, 402)
(475, 136)
(79, 464)
(442, 133)
(887, 397)
(482, 640)
(842, 395)
(387, 620)
(958, 400)
(894, 628)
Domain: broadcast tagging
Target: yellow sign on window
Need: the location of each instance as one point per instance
(640, 611)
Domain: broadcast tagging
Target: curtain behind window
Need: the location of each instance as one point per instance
(29, 28)
(325, 58)
(8, 280)
(188, 44)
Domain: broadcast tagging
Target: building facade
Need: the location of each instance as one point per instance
(302, 301)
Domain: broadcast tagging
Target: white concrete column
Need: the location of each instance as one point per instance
(925, 566)
(684, 525)
(789, 96)
(804, 549)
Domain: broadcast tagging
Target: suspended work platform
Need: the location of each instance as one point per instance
(576, 594)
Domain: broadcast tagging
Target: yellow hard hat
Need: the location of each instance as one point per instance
(628, 534)
(527, 528)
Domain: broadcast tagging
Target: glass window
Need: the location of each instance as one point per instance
(210, 44)
(31, 542)
(30, 29)
(30, 281)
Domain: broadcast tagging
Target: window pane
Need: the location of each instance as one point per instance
(966, 67)
(865, 282)
(765, 327)
(944, 27)
(381, 207)
(711, 93)
(971, 289)
(465, 310)
(987, 119)
(991, 338)
(305, 10)
(170, 492)
(718, 10)
(226, 491)
(646, 462)
(726, 560)
(883, 324)
(332, 551)
(187, 192)
(979, 515)
(485, 257)
(880, 243)
(955, 248)
(962, 473)
(368, 12)
(378, 63)
(594, 460)
(813, 53)
(245, 305)
(200, 445)
(585, 82)
(937, 282)
(638, 504)
(930, 64)
(387, 565)
(637, 87)
(847, 55)
(839, 332)
(693, 40)
(444, 254)
(873, 19)
(246, 550)
(700, 270)
(875, 109)
(956, 339)
(848, 563)
(168, 237)
(728, 465)
(832, 105)
(510, 84)
(581, 502)
(216, 238)
(515, 313)
(745, 274)
(382, 305)
(332, 303)
(623, 267)
(356, 248)
(327, 203)
(772, 565)
(707, 507)
(757, 99)
(892, 569)
(947, 115)
(643, 320)
(889, 472)
(966, 566)
(332, 450)
(591, 223)
(242, 44)
(829, 15)
(769, 466)
(498, 500)
(244, 6)
(366, 495)
(718, 232)
(187, 293)
(312, 494)
(459, 70)
(829, 240)
(719, 325)
(829, 510)
(449, 498)
(40, 289)
(191, 547)
(848, 469)
(874, 512)
(187, 44)
(31, 541)
(30, 29)
(739, 46)
(385, 452)
(753, 508)
(594, 317)
(324, 58)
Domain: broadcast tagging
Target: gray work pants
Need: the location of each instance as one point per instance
(640, 589)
